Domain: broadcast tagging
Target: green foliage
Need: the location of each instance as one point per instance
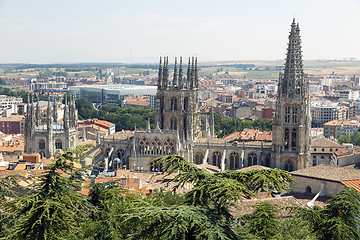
(181, 222)
(123, 118)
(353, 138)
(112, 203)
(11, 93)
(263, 222)
(7, 184)
(55, 209)
(224, 126)
(85, 108)
(221, 189)
(339, 219)
(47, 73)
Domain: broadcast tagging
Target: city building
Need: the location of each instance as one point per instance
(12, 125)
(111, 94)
(50, 137)
(183, 130)
(336, 128)
(7, 102)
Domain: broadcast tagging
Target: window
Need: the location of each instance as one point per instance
(199, 157)
(136, 180)
(323, 149)
(58, 144)
(294, 114)
(286, 139)
(314, 162)
(185, 103)
(173, 105)
(252, 159)
(173, 124)
(287, 114)
(234, 160)
(293, 140)
(41, 144)
(168, 147)
(314, 149)
(289, 166)
(216, 159)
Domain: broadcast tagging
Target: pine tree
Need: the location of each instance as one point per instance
(54, 209)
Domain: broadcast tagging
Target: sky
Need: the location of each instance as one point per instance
(139, 31)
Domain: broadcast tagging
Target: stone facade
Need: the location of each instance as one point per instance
(182, 129)
(49, 137)
(292, 125)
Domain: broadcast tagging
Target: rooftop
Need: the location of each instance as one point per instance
(324, 142)
(328, 172)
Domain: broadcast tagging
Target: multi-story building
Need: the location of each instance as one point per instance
(336, 128)
(49, 86)
(12, 125)
(323, 111)
(7, 102)
(111, 94)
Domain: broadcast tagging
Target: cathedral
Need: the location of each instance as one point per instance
(49, 135)
(181, 128)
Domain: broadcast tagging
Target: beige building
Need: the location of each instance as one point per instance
(325, 178)
(336, 128)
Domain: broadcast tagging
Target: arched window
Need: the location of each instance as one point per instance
(156, 147)
(173, 105)
(294, 114)
(293, 140)
(216, 159)
(308, 189)
(286, 139)
(185, 103)
(58, 144)
(234, 160)
(199, 158)
(144, 146)
(268, 160)
(287, 114)
(289, 166)
(252, 159)
(314, 161)
(173, 124)
(168, 147)
(41, 144)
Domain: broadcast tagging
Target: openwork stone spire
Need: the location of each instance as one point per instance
(291, 82)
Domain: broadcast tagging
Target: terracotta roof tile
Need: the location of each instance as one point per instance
(328, 172)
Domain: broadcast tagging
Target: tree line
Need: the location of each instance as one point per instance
(53, 208)
(350, 138)
(126, 118)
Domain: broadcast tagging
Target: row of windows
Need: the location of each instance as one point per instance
(323, 149)
(58, 144)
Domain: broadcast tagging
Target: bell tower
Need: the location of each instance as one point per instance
(292, 125)
(177, 99)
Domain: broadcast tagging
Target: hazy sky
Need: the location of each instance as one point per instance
(72, 31)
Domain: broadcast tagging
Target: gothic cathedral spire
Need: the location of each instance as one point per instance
(292, 125)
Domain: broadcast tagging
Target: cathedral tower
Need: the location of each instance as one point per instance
(177, 100)
(292, 125)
